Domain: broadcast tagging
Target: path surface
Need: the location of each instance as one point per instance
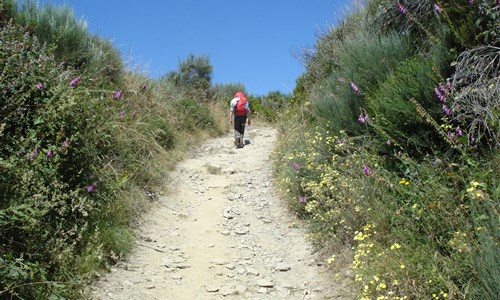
(221, 234)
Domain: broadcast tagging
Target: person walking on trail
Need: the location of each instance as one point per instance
(239, 114)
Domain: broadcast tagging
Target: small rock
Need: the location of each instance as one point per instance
(266, 283)
(183, 266)
(262, 290)
(150, 287)
(252, 271)
(230, 266)
(212, 288)
(177, 276)
(214, 169)
(228, 291)
(227, 214)
(283, 267)
(241, 289)
(241, 231)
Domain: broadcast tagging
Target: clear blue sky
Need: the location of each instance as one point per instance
(253, 42)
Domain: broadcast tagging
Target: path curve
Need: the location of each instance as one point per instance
(221, 234)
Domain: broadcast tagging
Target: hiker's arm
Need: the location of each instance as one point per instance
(231, 116)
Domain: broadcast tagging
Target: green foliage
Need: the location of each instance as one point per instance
(192, 115)
(47, 160)
(415, 200)
(337, 111)
(78, 152)
(194, 74)
(393, 110)
(268, 107)
(366, 58)
(72, 43)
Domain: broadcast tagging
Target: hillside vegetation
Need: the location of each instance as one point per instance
(390, 148)
(86, 144)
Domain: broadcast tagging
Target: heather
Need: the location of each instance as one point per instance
(389, 149)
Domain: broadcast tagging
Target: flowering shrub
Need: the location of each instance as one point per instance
(406, 182)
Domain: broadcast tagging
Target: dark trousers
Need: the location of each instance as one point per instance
(239, 124)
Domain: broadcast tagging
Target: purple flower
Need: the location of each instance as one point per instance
(34, 154)
(367, 171)
(437, 9)
(451, 136)
(302, 200)
(122, 113)
(117, 95)
(443, 89)
(401, 9)
(65, 144)
(355, 88)
(91, 188)
(39, 86)
(134, 114)
(50, 154)
(470, 2)
(446, 110)
(459, 132)
(75, 82)
(440, 93)
(363, 118)
(296, 166)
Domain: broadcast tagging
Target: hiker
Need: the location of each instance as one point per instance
(239, 113)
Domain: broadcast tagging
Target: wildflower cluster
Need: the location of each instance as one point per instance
(475, 190)
(367, 253)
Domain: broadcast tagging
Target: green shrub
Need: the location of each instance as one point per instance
(393, 110)
(192, 115)
(49, 165)
(73, 44)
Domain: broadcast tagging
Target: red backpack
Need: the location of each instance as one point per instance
(240, 108)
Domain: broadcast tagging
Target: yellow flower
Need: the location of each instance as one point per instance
(402, 266)
(395, 246)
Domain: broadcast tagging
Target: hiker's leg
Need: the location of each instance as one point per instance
(242, 131)
(237, 130)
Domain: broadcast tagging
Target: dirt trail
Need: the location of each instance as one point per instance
(221, 234)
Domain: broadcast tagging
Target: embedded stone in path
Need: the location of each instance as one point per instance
(266, 283)
(212, 288)
(214, 169)
(228, 291)
(283, 267)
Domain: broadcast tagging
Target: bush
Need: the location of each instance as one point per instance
(49, 166)
(393, 109)
(72, 43)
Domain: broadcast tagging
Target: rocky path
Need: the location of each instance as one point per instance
(221, 234)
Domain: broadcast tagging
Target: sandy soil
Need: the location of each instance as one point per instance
(222, 233)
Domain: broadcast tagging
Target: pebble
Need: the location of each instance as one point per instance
(266, 283)
(283, 267)
(212, 288)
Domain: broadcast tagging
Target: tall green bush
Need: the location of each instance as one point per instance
(49, 166)
(73, 44)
